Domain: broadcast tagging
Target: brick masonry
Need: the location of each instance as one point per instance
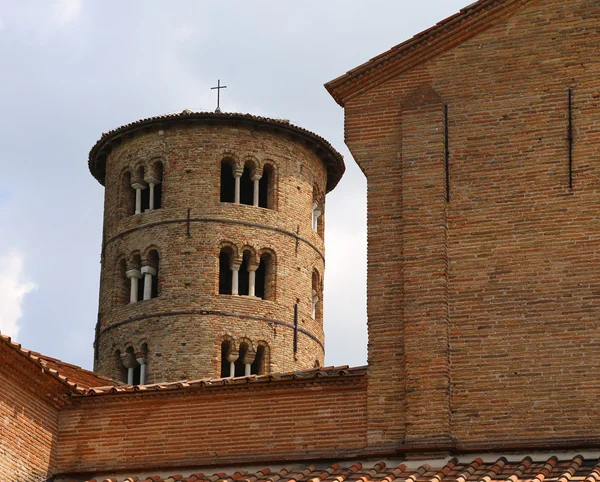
(185, 325)
(484, 311)
(230, 424)
(29, 420)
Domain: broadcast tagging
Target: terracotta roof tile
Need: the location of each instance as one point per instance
(333, 160)
(315, 373)
(502, 470)
(75, 378)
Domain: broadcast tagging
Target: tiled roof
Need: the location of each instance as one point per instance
(504, 469)
(76, 378)
(444, 35)
(314, 374)
(334, 161)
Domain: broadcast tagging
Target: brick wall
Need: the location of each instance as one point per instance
(484, 311)
(28, 421)
(281, 420)
(184, 326)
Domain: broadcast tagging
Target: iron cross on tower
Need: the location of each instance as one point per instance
(218, 87)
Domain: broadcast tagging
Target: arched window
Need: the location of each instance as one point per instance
(154, 178)
(128, 194)
(247, 186)
(317, 211)
(266, 188)
(150, 274)
(244, 276)
(265, 277)
(123, 283)
(225, 363)
(317, 364)
(226, 271)
(133, 366)
(316, 291)
(259, 364)
(240, 363)
(227, 182)
(136, 282)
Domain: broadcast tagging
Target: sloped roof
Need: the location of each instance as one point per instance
(314, 374)
(443, 36)
(74, 373)
(504, 469)
(332, 159)
(51, 369)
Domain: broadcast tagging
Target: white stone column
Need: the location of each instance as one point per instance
(252, 280)
(248, 360)
(247, 369)
(256, 178)
(138, 186)
(142, 362)
(235, 280)
(130, 376)
(152, 182)
(128, 361)
(238, 177)
(315, 300)
(148, 272)
(134, 275)
(232, 357)
(316, 212)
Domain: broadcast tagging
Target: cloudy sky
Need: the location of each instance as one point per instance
(72, 69)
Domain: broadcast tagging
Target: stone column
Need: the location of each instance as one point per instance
(252, 280)
(142, 363)
(148, 272)
(256, 178)
(316, 214)
(231, 358)
(248, 360)
(235, 278)
(238, 176)
(138, 186)
(152, 182)
(134, 275)
(128, 360)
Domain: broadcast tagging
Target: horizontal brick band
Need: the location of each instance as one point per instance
(218, 220)
(212, 313)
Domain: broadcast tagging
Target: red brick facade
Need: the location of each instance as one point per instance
(483, 310)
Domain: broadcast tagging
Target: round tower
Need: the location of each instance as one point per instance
(212, 252)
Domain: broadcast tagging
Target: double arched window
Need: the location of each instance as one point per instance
(143, 188)
(243, 360)
(251, 275)
(132, 365)
(139, 277)
(250, 184)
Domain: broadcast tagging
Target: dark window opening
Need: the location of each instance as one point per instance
(137, 374)
(227, 183)
(225, 276)
(240, 369)
(154, 262)
(140, 283)
(258, 366)
(158, 196)
(225, 349)
(246, 188)
(259, 290)
(146, 199)
(244, 276)
(265, 188)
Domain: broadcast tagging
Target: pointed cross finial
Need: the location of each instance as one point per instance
(218, 87)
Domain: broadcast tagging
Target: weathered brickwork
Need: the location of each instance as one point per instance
(229, 424)
(181, 330)
(28, 421)
(484, 311)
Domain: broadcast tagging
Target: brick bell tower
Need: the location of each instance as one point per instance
(212, 252)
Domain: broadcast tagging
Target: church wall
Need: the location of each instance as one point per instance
(28, 422)
(184, 326)
(520, 354)
(221, 425)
